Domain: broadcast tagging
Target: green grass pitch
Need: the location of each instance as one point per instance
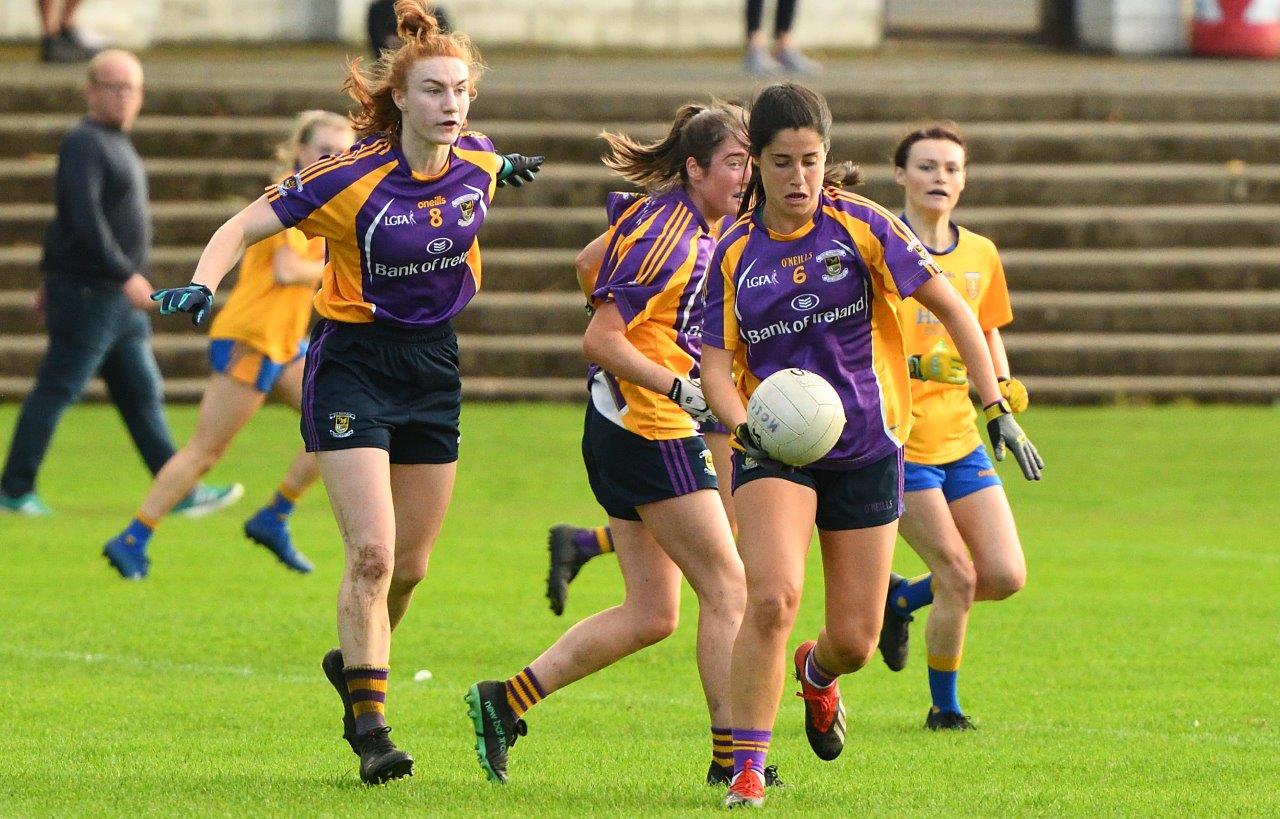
(1136, 674)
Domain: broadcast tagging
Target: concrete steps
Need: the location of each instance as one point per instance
(230, 97)
(29, 180)
(540, 313)
(577, 141)
(1061, 227)
(497, 354)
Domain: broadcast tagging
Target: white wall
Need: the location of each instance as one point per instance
(568, 23)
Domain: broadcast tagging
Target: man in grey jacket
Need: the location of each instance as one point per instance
(95, 294)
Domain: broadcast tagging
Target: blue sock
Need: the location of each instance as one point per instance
(281, 506)
(943, 672)
(138, 532)
(912, 594)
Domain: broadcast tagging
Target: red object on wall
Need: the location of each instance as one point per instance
(1236, 28)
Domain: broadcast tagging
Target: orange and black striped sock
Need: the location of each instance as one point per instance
(722, 747)
(523, 692)
(367, 687)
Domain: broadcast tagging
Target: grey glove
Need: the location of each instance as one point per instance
(1004, 431)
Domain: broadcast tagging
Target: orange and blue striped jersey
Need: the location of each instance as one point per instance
(269, 316)
(655, 265)
(824, 299)
(403, 248)
(943, 427)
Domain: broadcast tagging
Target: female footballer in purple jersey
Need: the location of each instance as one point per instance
(381, 392)
(648, 467)
(810, 277)
(957, 517)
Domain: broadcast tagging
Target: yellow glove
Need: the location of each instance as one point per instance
(939, 364)
(1013, 391)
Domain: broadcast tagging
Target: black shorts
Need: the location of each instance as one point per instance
(847, 498)
(628, 470)
(368, 385)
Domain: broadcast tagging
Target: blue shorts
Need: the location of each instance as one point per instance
(956, 479)
(859, 498)
(247, 364)
(628, 470)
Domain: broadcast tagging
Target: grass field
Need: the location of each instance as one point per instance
(1138, 672)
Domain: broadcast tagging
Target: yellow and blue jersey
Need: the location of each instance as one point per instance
(655, 264)
(403, 246)
(943, 415)
(825, 299)
(262, 313)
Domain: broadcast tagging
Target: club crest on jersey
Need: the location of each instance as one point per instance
(341, 424)
(833, 265)
(466, 205)
(292, 184)
(971, 282)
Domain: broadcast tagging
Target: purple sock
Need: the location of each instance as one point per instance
(587, 543)
(817, 676)
(750, 745)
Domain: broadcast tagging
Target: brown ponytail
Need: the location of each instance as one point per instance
(423, 39)
(697, 132)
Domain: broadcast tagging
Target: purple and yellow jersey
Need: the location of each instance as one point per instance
(269, 316)
(402, 246)
(824, 299)
(655, 264)
(943, 427)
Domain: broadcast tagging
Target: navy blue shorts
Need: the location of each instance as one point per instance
(628, 470)
(847, 498)
(956, 479)
(368, 385)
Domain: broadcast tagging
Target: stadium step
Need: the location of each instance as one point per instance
(1129, 226)
(585, 185)
(553, 313)
(871, 143)
(509, 101)
(560, 356)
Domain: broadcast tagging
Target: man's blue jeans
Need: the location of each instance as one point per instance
(92, 330)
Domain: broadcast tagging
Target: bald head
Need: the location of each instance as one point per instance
(114, 92)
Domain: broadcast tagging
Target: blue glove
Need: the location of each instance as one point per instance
(518, 169)
(195, 299)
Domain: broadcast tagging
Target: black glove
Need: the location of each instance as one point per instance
(518, 169)
(745, 441)
(1004, 431)
(195, 299)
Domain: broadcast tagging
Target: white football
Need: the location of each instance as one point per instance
(796, 415)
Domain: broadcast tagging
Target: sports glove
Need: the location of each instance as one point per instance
(940, 364)
(518, 169)
(1004, 431)
(1015, 393)
(687, 393)
(195, 299)
(745, 441)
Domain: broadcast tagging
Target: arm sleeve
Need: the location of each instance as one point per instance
(301, 199)
(80, 180)
(637, 281)
(903, 262)
(995, 310)
(720, 321)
